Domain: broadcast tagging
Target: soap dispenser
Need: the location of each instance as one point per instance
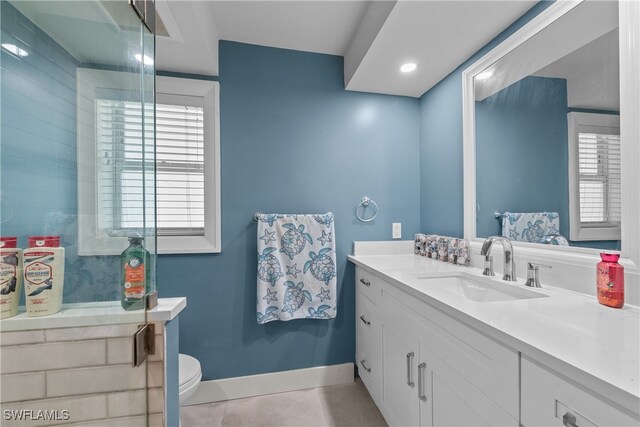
(610, 280)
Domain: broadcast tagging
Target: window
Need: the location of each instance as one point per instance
(594, 176)
(186, 167)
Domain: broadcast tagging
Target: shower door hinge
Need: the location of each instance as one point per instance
(146, 10)
(152, 300)
(144, 343)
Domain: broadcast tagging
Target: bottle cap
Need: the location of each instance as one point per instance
(609, 257)
(8, 242)
(44, 241)
(136, 239)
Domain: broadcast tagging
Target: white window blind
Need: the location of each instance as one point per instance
(599, 179)
(179, 165)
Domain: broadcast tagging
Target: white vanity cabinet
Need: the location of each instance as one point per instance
(431, 369)
(550, 400)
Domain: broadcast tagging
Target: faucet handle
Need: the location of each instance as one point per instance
(533, 274)
(535, 266)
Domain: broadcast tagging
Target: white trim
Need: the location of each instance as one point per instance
(91, 241)
(629, 12)
(275, 382)
(574, 121)
(211, 241)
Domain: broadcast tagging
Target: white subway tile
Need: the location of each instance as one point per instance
(21, 337)
(91, 332)
(80, 410)
(101, 379)
(119, 350)
(156, 420)
(155, 374)
(127, 403)
(17, 387)
(136, 421)
(40, 357)
(155, 401)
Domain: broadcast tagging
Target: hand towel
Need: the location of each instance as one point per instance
(296, 267)
(530, 227)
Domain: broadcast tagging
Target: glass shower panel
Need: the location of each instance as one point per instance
(77, 162)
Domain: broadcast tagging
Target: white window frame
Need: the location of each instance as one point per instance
(576, 121)
(91, 240)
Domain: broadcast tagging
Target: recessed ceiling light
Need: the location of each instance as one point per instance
(15, 49)
(408, 67)
(147, 60)
(484, 75)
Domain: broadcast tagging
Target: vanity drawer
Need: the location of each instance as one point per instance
(367, 319)
(367, 284)
(369, 366)
(547, 398)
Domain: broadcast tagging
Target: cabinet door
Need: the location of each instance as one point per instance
(456, 402)
(399, 375)
(425, 388)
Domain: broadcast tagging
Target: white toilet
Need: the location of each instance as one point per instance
(189, 374)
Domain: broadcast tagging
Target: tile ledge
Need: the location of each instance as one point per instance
(94, 314)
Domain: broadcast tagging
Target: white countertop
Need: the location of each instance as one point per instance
(568, 331)
(95, 314)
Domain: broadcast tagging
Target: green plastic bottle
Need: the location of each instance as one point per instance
(136, 272)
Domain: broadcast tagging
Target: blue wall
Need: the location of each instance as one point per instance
(441, 166)
(522, 152)
(294, 141)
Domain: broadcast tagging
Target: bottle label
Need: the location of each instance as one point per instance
(134, 279)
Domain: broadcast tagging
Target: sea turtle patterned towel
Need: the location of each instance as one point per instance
(296, 267)
(530, 227)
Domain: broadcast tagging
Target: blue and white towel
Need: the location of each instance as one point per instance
(296, 267)
(530, 227)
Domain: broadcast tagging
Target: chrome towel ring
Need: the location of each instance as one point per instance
(365, 202)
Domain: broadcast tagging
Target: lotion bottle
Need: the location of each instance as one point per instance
(10, 276)
(43, 275)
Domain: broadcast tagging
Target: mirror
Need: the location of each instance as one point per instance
(547, 144)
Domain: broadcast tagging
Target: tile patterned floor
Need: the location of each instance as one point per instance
(339, 405)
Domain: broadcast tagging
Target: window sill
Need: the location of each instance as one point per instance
(187, 245)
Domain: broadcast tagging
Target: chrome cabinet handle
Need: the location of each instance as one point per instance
(569, 420)
(364, 365)
(364, 282)
(409, 369)
(364, 320)
(421, 370)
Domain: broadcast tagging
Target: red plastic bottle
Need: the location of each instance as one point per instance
(610, 281)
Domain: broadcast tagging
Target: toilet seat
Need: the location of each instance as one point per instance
(189, 372)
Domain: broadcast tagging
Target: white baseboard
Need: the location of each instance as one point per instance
(276, 382)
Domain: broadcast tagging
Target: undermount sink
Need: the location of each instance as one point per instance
(480, 291)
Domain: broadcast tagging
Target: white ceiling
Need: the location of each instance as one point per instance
(312, 26)
(375, 37)
(437, 35)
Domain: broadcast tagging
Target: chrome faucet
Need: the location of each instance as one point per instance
(509, 267)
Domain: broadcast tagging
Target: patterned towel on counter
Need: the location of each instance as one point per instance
(296, 267)
(530, 227)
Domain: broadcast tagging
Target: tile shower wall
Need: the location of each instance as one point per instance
(38, 101)
(292, 140)
(87, 371)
